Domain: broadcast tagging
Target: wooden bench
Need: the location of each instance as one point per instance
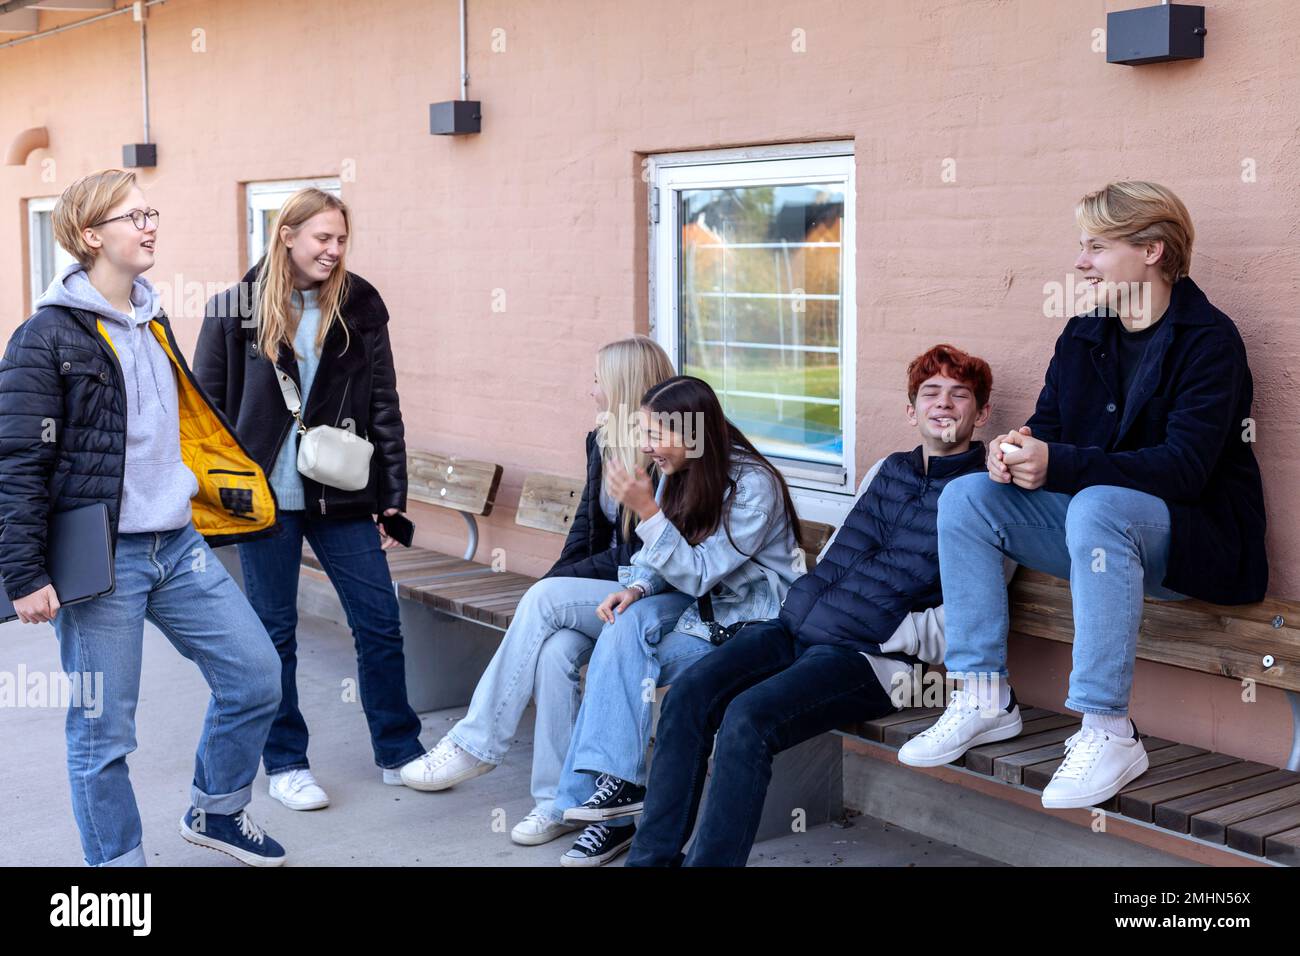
(485, 594)
(1217, 798)
(482, 593)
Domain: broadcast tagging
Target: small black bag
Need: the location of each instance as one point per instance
(718, 634)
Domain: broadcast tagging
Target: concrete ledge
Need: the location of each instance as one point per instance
(1008, 823)
(445, 656)
(807, 788)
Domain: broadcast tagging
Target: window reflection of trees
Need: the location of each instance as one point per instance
(760, 310)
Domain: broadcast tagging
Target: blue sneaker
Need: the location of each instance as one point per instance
(234, 834)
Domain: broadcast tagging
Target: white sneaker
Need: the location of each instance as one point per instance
(540, 827)
(393, 777)
(444, 766)
(298, 790)
(1097, 766)
(962, 726)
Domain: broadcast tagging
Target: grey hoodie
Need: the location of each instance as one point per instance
(157, 485)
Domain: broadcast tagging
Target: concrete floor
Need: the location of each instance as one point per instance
(368, 823)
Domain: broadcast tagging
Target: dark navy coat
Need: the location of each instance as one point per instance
(1179, 436)
(884, 562)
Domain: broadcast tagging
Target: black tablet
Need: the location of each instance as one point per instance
(79, 557)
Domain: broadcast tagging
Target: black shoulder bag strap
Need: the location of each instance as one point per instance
(718, 633)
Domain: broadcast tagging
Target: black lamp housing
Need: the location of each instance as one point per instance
(1172, 31)
(455, 118)
(137, 155)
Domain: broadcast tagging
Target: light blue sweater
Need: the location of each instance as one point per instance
(285, 477)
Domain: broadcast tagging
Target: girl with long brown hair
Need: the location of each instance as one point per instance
(719, 548)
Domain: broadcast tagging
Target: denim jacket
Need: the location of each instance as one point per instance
(748, 584)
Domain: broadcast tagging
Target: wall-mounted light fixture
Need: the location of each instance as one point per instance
(457, 117)
(1171, 31)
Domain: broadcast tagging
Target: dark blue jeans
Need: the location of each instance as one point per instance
(761, 693)
(349, 552)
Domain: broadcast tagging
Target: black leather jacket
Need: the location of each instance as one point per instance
(357, 382)
(588, 552)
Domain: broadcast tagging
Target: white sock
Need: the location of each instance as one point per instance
(991, 694)
(1116, 726)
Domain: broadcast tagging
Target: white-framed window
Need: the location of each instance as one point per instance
(264, 202)
(752, 289)
(47, 257)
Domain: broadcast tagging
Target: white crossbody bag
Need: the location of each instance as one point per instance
(331, 456)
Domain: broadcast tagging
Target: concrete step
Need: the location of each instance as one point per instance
(1006, 823)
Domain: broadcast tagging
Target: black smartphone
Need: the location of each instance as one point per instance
(399, 528)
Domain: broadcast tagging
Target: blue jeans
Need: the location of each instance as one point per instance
(760, 693)
(633, 656)
(1112, 544)
(350, 553)
(551, 636)
(174, 580)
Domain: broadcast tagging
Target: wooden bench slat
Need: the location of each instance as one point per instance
(467, 569)
(488, 613)
(1215, 796)
(427, 562)
(477, 597)
(1177, 770)
(1213, 824)
(452, 588)
(1139, 802)
(502, 597)
(482, 577)
(549, 502)
(460, 598)
(499, 616)
(1161, 620)
(1248, 836)
(1227, 641)
(897, 734)
(1262, 611)
(1284, 847)
(875, 729)
(463, 608)
(475, 570)
(450, 481)
(1037, 775)
(1177, 814)
(980, 759)
(1010, 768)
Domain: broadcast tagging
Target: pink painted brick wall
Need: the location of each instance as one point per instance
(547, 204)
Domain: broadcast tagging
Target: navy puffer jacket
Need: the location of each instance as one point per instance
(63, 418)
(884, 562)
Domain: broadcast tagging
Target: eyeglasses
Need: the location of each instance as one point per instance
(137, 217)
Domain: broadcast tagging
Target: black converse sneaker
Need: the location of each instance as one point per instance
(598, 845)
(613, 798)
